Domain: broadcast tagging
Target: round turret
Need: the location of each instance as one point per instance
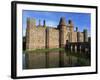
(62, 27)
(78, 37)
(70, 23)
(85, 35)
(62, 21)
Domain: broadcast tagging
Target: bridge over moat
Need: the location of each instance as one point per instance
(78, 46)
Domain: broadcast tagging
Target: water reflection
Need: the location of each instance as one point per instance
(32, 60)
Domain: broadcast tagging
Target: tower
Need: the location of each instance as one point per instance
(31, 24)
(62, 32)
(70, 25)
(71, 30)
(78, 36)
(85, 35)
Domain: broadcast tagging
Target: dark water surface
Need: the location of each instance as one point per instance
(54, 59)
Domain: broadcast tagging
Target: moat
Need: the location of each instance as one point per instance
(55, 59)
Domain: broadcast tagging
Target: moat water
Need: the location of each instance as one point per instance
(55, 59)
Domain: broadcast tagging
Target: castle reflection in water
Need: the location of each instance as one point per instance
(56, 59)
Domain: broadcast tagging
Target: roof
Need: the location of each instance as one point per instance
(62, 21)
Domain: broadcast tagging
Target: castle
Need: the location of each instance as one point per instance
(43, 36)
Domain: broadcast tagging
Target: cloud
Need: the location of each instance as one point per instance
(51, 23)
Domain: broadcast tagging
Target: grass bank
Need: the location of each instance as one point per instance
(45, 50)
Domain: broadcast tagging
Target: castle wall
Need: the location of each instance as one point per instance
(63, 36)
(27, 38)
(80, 37)
(85, 35)
(37, 38)
(74, 37)
(53, 38)
(30, 26)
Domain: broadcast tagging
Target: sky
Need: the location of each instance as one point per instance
(80, 20)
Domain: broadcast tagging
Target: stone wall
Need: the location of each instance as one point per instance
(53, 38)
(41, 37)
(74, 37)
(65, 35)
(80, 36)
(37, 38)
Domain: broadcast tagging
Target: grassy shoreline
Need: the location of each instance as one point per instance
(45, 50)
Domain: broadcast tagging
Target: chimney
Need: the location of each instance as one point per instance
(76, 29)
(44, 23)
(39, 22)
